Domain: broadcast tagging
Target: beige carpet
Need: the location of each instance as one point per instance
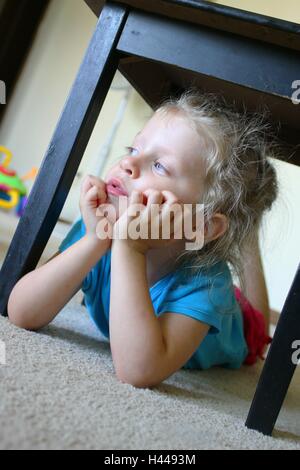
(58, 391)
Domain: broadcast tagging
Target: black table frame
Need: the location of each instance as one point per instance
(122, 37)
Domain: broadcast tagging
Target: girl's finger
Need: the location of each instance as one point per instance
(155, 197)
(102, 195)
(169, 197)
(172, 214)
(136, 197)
(92, 194)
(86, 185)
(135, 201)
(90, 181)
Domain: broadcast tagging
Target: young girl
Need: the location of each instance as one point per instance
(163, 307)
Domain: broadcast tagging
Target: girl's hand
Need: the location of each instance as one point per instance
(140, 205)
(93, 194)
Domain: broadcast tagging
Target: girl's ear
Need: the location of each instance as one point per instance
(216, 227)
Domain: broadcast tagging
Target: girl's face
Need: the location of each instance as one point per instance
(165, 155)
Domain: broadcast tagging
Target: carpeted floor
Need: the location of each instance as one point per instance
(58, 391)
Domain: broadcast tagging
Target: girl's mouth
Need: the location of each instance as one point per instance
(115, 190)
(116, 187)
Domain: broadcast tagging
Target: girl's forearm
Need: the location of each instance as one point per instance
(135, 334)
(38, 297)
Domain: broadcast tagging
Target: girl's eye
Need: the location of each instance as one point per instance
(160, 167)
(130, 149)
(157, 165)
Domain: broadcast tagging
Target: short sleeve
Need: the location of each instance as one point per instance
(206, 298)
(76, 232)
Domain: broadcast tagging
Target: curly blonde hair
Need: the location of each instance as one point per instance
(240, 181)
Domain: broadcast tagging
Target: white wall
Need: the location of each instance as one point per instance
(288, 10)
(46, 79)
(40, 95)
(280, 234)
(39, 98)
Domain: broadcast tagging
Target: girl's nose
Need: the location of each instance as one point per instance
(130, 166)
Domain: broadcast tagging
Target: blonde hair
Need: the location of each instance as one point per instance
(240, 181)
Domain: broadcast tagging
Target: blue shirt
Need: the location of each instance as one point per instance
(207, 297)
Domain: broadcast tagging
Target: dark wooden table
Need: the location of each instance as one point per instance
(162, 47)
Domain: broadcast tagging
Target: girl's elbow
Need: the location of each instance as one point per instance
(139, 375)
(16, 318)
(17, 315)
(137, 380)
(20, 322)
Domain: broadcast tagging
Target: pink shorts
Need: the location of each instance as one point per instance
(254, 328)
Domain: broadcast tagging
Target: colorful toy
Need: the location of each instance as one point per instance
(13, 192)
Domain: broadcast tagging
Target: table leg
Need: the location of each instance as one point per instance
(65, 151)
(280, 365)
